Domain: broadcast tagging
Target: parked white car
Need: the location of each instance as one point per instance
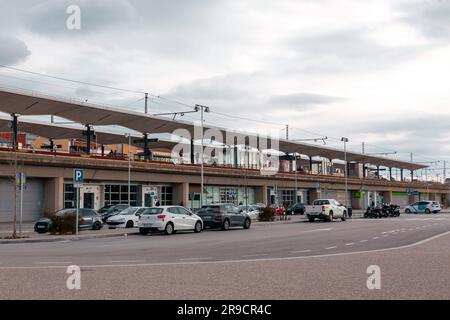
(169, 219)
(251, 210)
(326, 209)
(127, 218)
(424, 207)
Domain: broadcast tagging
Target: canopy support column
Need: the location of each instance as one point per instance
(14, 126)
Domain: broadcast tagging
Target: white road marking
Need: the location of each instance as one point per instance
(191, 259)
(126, 261)
(254, 255)
(330, 248)
(375, 238)
(362, 241)
(244, 261)
(350, 244)
(302, 251)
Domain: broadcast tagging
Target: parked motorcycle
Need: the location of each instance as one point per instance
(390, 210)
(373, 212)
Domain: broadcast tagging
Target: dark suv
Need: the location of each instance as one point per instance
(298, 208)
(224, 216)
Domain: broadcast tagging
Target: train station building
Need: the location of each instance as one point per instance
(141, 167)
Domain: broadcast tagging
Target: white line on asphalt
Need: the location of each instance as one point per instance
(193, 259)
(247, 260)
(54, 262)
(302, 251)
(254, 255)
(330, 248)
(350, 244)
(375, 238)
(126, 261)
(364, 241)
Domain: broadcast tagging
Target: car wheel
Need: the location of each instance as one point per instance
(311, 219)
(169, 228)
(226, 225)
(130, 224)
(344, 216)
(97, 226)
(407, 211)
(41, 231)
(427, 211)
(247, 224)
(144, 231)
(330, 216)
(198, 227)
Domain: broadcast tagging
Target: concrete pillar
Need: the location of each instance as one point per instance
(181, 194)
(387, 195)
(54, 194)
(314, 195)
(261, 195)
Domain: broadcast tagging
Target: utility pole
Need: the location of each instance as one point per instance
(146, 103)
(203, 109)
(345, 140)
(287, 132)
(363, 148)
(445, 172)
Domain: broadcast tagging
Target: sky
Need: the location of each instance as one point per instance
(372, 71)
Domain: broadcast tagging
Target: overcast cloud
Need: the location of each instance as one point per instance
(375, 71)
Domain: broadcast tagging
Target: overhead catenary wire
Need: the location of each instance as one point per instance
(169, 101)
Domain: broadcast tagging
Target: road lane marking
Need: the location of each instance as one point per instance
(126, 261)
(242, 261)
(254, 255)
(362, 241)
(330, 248)
(302, 251)
(375, 238)
(193, 259)
(350, 244)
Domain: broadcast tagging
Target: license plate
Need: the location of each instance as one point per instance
(40, 227)
(147, 225)
(207, 217)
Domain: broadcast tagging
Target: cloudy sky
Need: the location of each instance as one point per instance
(374, 71)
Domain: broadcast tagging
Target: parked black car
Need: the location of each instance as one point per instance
(111, 210)
(298, 208)
(224, 216)
(90, 220)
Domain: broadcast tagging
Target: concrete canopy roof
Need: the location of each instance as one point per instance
(23, 102)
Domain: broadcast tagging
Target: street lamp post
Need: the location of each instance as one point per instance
(345, 140)
(203, 109)
(127, 135)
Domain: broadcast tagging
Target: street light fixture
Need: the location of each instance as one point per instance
(202, 109)
(345, 140)
(127, 135)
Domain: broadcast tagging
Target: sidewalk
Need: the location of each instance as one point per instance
(34, 237)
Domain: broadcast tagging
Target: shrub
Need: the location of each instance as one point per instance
(267, 214)
(63, 224)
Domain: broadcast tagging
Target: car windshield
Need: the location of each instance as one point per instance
(66, 211)
(210, 208)
(321, 202)
(129, 211)
(151, 211)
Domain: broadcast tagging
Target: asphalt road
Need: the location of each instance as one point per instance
(269, 261)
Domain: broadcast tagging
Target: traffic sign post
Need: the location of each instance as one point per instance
(78, 179)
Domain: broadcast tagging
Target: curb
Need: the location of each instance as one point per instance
(71, 238)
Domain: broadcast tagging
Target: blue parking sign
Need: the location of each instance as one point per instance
(78, 177)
